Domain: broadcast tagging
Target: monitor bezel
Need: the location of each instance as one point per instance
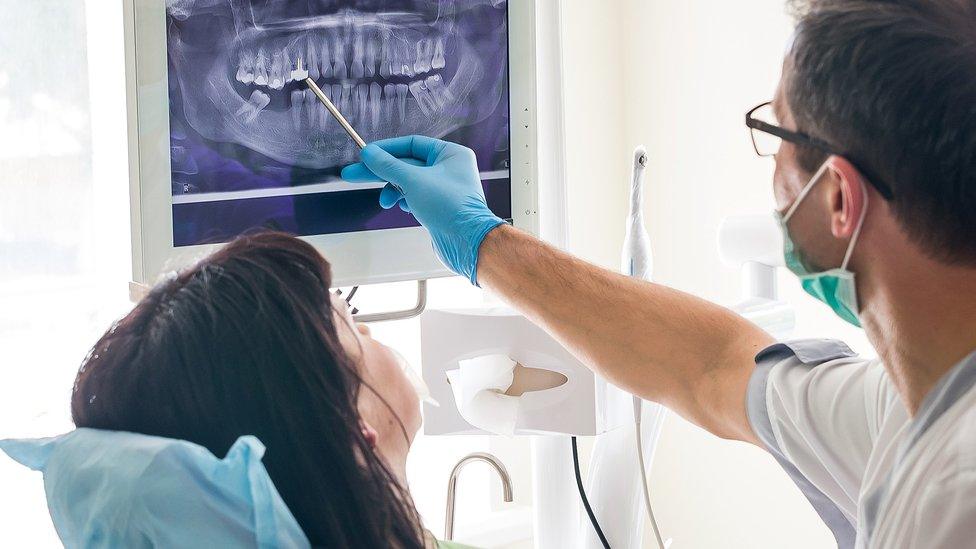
(369, 257)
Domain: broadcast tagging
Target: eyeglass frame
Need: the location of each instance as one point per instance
(804, 140)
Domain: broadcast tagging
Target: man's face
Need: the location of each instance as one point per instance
(789, 177)
(810, 225)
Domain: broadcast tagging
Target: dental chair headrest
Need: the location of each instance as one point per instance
(115, 489)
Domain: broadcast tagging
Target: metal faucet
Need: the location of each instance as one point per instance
(452, 486)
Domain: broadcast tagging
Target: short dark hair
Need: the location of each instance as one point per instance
(892, 84)
(245, 343)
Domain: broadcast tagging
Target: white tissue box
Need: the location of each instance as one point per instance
(585, 405)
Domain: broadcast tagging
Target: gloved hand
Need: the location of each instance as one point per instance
(439, 183)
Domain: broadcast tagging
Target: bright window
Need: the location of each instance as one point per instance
(63, 223)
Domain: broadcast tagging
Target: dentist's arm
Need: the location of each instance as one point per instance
(661, 344)
(664, 345)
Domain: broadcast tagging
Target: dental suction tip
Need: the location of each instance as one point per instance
(640, 156)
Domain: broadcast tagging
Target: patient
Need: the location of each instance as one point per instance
(250, 341)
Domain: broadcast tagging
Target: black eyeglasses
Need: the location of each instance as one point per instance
(768, 136)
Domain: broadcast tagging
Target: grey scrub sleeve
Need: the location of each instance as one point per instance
(816, 406)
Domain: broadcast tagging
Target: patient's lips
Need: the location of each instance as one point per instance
(390, 74)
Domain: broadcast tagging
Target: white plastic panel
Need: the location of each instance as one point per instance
(582, 406)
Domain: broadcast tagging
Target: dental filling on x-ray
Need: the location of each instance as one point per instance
(251, 146)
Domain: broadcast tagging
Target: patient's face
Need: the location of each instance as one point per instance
(381, 369)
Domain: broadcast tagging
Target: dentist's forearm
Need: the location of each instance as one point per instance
(664, 345)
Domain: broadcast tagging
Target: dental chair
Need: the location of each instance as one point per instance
(113, 489)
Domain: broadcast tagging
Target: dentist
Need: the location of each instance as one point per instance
(873, 130)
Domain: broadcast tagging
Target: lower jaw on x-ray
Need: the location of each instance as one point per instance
(252, 147)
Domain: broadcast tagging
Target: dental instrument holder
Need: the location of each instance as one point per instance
(590, 406)
(584, 405)
(617, 474)
(754, 244)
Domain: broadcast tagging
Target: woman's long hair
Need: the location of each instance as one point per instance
(245, 343)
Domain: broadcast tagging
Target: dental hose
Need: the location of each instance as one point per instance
(638, 405)
(638, 262)
(586, 500)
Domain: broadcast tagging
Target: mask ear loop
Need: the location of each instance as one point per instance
(806, 190)
(857, 231)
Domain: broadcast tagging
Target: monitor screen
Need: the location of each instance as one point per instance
(252, 147)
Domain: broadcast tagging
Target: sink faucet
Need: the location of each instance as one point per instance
(452, 486)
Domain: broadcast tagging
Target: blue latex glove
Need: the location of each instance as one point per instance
(439, 183)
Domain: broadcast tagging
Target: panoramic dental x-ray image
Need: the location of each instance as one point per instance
(251, 146)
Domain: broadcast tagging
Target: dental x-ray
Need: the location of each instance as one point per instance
(251, 146)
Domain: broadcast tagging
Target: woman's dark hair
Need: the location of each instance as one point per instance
(245, 343)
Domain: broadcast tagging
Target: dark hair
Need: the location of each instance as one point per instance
(892, 84)
(244, 343)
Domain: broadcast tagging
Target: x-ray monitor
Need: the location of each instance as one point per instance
(226, 138)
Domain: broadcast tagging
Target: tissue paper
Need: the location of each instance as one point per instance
(479, 386)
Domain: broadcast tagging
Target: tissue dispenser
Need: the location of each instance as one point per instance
(584, 405)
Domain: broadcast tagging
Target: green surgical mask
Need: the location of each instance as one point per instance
(836, 287)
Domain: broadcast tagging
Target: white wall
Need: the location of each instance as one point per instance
(598, 161)
(64, 257)
(679, 77)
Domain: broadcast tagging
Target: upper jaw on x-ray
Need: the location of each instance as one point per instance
(406, 68)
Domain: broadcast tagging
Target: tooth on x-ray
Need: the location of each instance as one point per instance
(312, 61)
(277, 78)
(440, 93)
(245, 69)
(401, 94)
(339, 59)
(362, 96)
(357, 69)
(369, 59)
(375, 103)
(425, 56)
(424, 98)
(389, 101)
(438, 61)
(249, 111)
(297, 107)
(262, 70)
(309, 108)
(385, 60)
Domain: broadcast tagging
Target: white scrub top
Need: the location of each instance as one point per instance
(877, 477)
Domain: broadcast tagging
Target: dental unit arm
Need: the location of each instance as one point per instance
(754, 244)
(618, 479)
